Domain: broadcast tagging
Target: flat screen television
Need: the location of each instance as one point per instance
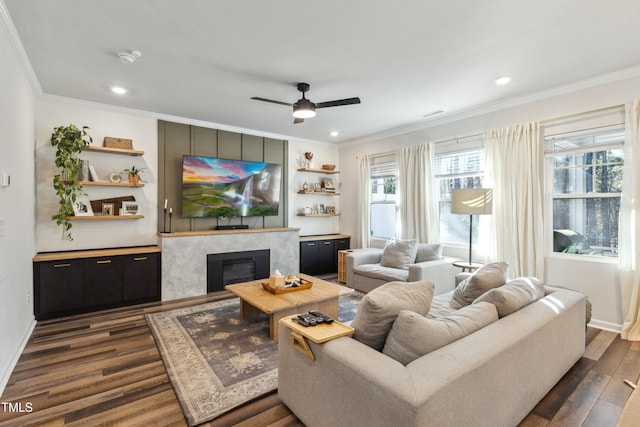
(213, 187)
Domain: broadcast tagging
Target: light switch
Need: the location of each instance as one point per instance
(5, 179)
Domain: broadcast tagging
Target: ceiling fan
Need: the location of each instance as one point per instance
(305, 109)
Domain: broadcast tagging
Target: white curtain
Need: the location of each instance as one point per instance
(417, 193)
(629, 226)
(364, 202)
(515, 172)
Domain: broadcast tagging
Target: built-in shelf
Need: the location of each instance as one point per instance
(109, 184)
(104, 217)
(319, 193)
(124, 151)
(318, 170)
(303, 214)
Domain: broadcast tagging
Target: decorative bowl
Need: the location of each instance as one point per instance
(328, 167)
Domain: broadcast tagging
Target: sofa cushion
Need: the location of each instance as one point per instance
(487, 277)
(399, 254)
(380, 307)
(514, 295)
(413, 335)
(428, 252)
(376, 271)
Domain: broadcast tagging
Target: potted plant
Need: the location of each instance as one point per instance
(134, 174)
(69, 142)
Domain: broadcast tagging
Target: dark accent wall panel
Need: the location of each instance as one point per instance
(176, 140)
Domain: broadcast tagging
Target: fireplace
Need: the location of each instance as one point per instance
(236, 267)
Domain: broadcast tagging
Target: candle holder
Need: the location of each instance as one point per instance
(164, 225)
(170, 216)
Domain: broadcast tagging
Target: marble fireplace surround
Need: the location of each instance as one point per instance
(184, 255)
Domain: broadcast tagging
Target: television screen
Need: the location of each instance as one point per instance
(213, 187)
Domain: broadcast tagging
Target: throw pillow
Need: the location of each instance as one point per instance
(413, 335)
(487, 277)
(514, 295)
(399, 254)
(428, 252)
(380, 307)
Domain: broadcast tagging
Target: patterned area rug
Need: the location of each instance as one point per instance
(217, 361)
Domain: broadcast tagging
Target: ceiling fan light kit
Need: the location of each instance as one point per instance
(305, 109)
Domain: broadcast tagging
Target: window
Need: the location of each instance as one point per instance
(384, 177)
(462, 169)
(587, 185)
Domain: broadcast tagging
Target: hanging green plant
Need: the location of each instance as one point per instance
(69, 142)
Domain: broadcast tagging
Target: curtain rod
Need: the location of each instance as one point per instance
(386, 153)
(584, 113)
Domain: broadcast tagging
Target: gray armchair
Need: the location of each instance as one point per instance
(366, 270)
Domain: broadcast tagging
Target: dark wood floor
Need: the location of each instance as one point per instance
(104, 369)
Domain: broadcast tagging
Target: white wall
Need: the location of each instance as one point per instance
(598, 280)
(103, 121)
(323, 153)
(17, 210)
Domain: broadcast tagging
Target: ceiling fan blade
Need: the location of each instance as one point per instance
(339, 102)
(257, 98)
(297, 120)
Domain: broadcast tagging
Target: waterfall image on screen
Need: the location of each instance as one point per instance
(213, 187)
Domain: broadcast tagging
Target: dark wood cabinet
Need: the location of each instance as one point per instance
(77, 282)
(319, 254)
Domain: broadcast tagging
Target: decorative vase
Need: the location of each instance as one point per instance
(134, 179)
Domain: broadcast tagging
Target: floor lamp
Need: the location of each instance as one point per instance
(471, 201)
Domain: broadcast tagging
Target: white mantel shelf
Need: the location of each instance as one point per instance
(222, 232)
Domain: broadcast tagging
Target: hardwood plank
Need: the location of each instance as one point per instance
(599, 344)
(558, 395)
(533, 420)
(603, 414)
(612, 357)
(591, 333)
(617, 392)
(576, 409)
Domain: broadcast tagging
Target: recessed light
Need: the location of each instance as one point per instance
(503, 80)
(119, 90)
(334, 133)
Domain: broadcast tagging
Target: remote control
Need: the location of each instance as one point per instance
(326, 319)
(301, 321)
(311, 320)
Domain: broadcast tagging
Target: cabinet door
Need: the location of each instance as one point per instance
(58, 287)
(309, 257)
(140, 277)
(327, 257)
(102, 281)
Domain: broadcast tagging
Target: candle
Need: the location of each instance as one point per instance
(170, 210)
(165, 204)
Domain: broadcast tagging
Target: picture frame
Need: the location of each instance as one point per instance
(108, 209)
(328, 184)
(317, 187)
(321, 209)
(330, 210)
(131, 208)
(82, 207)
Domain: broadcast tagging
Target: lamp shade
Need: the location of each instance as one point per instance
(472, 201)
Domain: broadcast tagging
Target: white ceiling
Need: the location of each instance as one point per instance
(205, 59)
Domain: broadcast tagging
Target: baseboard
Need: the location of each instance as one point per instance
(607, 326)
(14, 361)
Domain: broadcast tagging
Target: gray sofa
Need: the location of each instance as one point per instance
(365, 272)
(491, 377)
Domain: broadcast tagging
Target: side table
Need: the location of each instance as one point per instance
(467, 267)
(319, 334)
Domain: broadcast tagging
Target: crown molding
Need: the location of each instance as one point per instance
(445, 118)
(16, 43)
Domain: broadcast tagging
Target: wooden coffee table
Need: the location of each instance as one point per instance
(254, 299)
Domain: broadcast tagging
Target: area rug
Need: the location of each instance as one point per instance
(217, 361)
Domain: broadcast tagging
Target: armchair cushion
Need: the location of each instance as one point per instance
(377, 271)
(379, 308)
(428, 252)
(487, 277)
(399, 254)
(413, 335)
(514, 295)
